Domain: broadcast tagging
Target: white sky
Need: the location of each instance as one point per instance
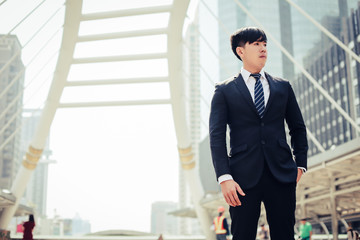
(112, 162)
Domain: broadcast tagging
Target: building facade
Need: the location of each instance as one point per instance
(339, 75)
(11, 85)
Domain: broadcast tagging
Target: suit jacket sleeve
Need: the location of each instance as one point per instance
(217, 132)
(297, 129)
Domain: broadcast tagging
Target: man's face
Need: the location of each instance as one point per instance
(253, 55)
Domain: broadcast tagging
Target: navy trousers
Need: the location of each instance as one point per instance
(279, 201)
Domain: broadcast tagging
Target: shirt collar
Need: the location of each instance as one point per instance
(246, 74)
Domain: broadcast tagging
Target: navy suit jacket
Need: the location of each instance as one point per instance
(254, 140)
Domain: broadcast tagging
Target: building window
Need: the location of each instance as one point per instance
(342, 64)
(341, 137)
(348, 133)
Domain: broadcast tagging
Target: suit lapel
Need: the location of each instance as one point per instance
(244, 92)
(272, 91)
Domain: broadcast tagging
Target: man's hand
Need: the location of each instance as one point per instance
(299, 174)
(230, 189)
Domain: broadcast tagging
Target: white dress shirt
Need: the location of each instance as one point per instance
(250, 83)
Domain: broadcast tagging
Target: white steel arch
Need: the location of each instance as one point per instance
(73, 18)
(71, 28)
(175, 44)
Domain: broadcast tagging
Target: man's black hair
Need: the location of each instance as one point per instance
(246, 35)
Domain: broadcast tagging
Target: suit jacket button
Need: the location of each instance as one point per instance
(262, 142)
(262, 124)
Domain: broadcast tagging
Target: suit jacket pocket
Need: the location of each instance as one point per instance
(237, 149)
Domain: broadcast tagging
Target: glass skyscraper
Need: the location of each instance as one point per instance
(11, 90)
(338, 74)
(310, 48)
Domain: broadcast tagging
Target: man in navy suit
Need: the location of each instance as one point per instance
(260, 167)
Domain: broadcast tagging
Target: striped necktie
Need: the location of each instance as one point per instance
(259, 95)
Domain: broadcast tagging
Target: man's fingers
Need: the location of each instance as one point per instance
(234, 199)
(230, 191)
(228, 201)
(238, 188)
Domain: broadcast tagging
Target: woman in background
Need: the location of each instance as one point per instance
(28, 228)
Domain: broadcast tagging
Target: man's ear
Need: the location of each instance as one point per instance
(239, 51)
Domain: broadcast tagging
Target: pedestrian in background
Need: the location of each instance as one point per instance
(352, 234)
(28, 228)
(305, 229)
(264, 232)
(221, 225)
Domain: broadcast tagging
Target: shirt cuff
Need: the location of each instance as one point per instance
(303, 169)
(224, 178)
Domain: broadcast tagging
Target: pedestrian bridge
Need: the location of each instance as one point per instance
(329, 191)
